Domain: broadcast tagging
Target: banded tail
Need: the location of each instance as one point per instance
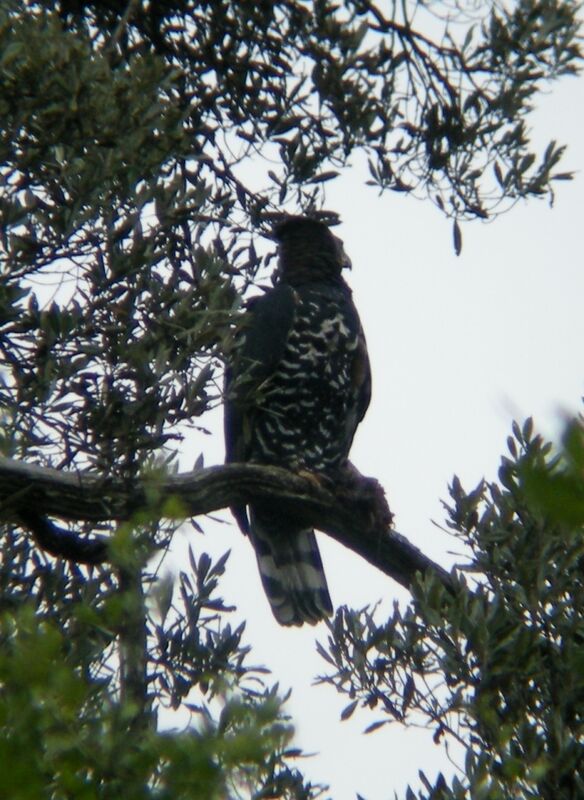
(291, 571)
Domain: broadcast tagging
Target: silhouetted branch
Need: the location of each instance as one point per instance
(63, 543)
(352, 511)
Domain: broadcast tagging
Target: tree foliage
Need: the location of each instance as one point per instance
(145, 149)
(495, 666)
(66, 732)
(142, 145)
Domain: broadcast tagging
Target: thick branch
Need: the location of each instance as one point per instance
(353, 511)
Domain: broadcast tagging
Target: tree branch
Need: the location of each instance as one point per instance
(353, 511)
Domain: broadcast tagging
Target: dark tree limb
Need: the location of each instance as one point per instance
(63, 543)
(353, 511)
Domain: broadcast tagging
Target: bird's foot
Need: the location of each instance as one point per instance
(317, 479)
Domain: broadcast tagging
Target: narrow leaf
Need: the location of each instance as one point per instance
(457, 237)
(348, 710)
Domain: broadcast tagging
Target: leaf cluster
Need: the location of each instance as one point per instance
(67, 732)
(141, 145)
(495, 665)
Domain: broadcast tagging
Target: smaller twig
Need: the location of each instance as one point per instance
(121, 26)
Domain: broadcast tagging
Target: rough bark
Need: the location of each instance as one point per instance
(353, 511)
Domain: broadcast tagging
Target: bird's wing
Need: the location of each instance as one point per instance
(266, 326)
(361, 376)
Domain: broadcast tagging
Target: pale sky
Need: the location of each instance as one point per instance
(460, 346)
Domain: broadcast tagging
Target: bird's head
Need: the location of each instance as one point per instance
(309, 251)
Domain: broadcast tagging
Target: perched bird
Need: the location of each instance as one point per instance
(297, 387)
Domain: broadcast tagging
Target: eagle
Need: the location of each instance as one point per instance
(298, 383)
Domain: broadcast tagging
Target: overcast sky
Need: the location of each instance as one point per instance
(460, 346)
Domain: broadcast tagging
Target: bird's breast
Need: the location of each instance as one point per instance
(308, 402)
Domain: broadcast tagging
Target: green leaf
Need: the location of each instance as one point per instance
(348, 710)
(457, 237)
(375, 726)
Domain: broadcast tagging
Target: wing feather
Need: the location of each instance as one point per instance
(262, 341)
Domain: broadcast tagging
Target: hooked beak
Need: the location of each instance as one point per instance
(343, 257)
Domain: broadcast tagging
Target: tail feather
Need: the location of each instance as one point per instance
(292, 573)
